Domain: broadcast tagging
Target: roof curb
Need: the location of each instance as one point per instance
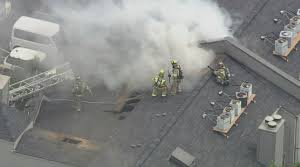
(243, 55)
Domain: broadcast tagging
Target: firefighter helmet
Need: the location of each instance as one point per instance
(161, 73)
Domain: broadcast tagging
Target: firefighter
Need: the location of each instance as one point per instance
(177, 77)
(79, 89)
(7, 6)
(160, 84)
(222, 74)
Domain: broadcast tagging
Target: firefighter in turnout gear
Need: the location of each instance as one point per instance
(222, 74)
(160, 84)
(177, 77)
(79, 89)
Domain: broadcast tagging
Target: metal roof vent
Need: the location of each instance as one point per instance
(285, 34)
(241, 95)
(228, 109)
(288, 35)
(296, 18)
(292, 25)
(281, 40)
(268, 119)
(272, 124)
(277, 117)
(246, 84)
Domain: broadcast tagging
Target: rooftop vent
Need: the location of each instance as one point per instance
(228, 109)
(277, 117)
(246, 84)
(285, 34)
(272, 124)
(288, 35)
(281, 40)
(70, 141)
(241, 95)
(298, 12)
(295, 19)
(268, 119)
(292, 25)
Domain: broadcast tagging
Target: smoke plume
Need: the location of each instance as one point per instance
(117, 42)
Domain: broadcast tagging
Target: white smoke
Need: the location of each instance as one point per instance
(129, 41)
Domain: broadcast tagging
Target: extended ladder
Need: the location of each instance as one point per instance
(39, 82)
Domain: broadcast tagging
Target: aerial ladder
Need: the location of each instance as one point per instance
(40, 82)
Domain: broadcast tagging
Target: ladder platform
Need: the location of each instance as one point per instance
(39, 82)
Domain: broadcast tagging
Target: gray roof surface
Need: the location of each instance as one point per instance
(183, 125)
(194, 134)
(159, 136)
(262, 24)
(114, 136)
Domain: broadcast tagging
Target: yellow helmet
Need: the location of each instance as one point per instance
(161, 73)
(221, 64)
(77, 77)
(174, 62)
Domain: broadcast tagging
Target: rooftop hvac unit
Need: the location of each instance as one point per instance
(236, 106)
(292, 28)
(270, 141)
(298, 12)
(268, 119)
(246, 87)
(224, 121)
(277, 118)
(281, 46)
(243, 98)
(288, 35)
(296, 21)
(230, 111)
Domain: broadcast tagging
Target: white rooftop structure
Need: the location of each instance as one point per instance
(37, 26)
(27, 54)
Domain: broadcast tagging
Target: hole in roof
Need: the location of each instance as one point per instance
(71, 141)
(127, 108)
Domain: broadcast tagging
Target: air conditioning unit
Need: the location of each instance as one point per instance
(292, 28)
(246, 87)
(230, 111)
(224, 121)
(243, 97)
(236, 106)
(298, 12)
(288, 35)
(296, 21)
(281, 46)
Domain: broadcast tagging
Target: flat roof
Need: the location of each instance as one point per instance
(36, 26)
